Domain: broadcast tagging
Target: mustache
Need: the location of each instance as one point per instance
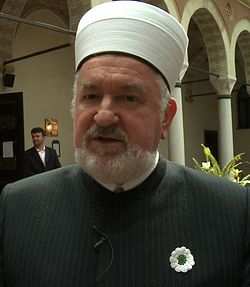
(113, 132)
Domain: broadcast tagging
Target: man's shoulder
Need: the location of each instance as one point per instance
(46, 182)
(50, 149)
(40, 194)
(202, 183)
(29, 150)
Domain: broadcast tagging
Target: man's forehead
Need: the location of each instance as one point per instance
(36, 134)
(116, 57)
(116, 62)
(129, 86)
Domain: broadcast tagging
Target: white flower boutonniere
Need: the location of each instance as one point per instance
(181, 259)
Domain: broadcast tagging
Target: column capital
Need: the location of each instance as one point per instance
(224, 84)
(178, 85)
(221, 97)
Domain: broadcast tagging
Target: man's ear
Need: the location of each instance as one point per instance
(168, 117)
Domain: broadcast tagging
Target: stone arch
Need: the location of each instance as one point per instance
(22, 9)
(58, 7)
(241, 38)
(173, 9)
(210, 22)
(213, 41)
(9, 27)
(76, 10)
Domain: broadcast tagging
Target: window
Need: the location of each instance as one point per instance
(211, 141)
(243, 100)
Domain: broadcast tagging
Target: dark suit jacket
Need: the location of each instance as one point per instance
(47, 237)
(34, 165)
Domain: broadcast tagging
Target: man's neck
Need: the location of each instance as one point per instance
(40, 147)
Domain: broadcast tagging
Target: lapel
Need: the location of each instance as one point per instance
(47, 155)
(37, 156)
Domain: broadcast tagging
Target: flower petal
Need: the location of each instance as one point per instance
(181, 259)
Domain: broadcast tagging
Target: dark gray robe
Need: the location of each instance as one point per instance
(47, 236)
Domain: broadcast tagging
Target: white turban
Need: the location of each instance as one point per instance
(133, 28)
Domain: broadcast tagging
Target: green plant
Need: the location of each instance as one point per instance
(230, 170)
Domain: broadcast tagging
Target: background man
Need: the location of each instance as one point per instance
(124, 216)
(39, 158)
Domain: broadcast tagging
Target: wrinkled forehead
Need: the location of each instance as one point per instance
(115, 60)
(129, 73)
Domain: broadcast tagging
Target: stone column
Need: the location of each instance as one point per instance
(97, 2)
(225, 139)
(1, 75)
(223, 86)
(248, 88)
(176, 146)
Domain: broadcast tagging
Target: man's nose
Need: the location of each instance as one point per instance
(106, 114)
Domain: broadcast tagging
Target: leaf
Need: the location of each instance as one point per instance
(229, 168)
(197, 165)
(231, 165)
(209, 157)
(245, 177)
(244, 182)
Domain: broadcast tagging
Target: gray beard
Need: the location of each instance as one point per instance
(121, 169)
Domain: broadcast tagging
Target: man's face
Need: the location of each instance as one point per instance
(123, 92)
(37, 139)
(118, 107)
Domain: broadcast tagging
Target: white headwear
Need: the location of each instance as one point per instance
(134, 28)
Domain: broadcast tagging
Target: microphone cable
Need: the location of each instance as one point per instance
(104, 238)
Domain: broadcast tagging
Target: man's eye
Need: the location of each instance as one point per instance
(90, 97)
(129, 98)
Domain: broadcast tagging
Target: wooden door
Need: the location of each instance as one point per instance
(11, 137)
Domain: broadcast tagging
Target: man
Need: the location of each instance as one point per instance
(39, 158)
(123, 215)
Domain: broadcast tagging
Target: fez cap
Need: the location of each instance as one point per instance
(134, 28)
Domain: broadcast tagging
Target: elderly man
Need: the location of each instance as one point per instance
(124, 216)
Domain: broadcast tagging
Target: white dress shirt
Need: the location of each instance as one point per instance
(41, 153)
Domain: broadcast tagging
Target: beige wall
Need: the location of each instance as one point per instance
(199, 115)
(45, 80)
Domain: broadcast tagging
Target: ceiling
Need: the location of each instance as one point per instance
(21, 9)
(60, 7)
